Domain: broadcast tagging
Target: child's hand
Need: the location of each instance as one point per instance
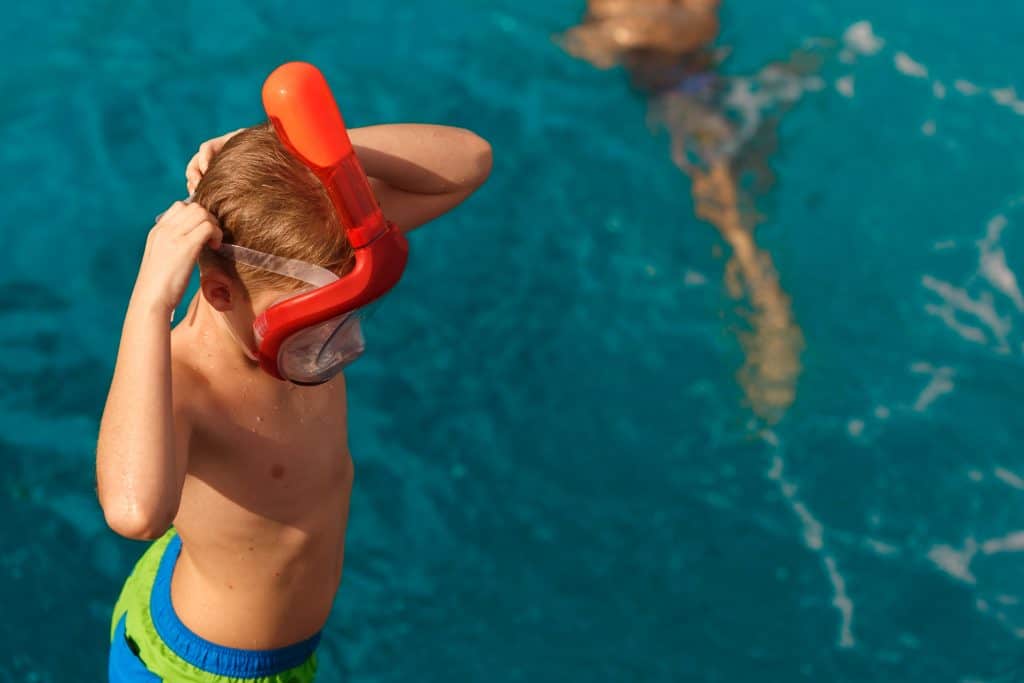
(171, 251)
(201, 160)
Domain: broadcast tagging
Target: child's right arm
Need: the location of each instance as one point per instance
(142, 452)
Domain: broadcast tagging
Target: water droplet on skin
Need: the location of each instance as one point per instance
(259, 419)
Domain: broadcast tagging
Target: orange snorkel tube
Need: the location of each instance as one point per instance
(306, 119)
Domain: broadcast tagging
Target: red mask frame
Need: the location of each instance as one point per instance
(308, 123)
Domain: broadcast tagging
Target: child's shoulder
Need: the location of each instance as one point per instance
(206, 389)
(190, 382)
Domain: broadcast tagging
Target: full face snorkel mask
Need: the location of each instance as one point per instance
(309, 337)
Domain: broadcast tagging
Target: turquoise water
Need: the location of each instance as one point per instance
(558, 476)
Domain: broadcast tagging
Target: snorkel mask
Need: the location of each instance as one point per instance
(307, 338)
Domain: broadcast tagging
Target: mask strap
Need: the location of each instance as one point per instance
(293, 268)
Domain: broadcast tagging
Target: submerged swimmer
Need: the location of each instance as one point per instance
(722, 130)
(244, 478)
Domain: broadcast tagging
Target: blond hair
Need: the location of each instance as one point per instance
(266, 199)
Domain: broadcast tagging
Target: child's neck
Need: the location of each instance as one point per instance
(212, 336)
(212, 344)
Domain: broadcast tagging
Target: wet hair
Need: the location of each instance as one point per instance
(266, 199)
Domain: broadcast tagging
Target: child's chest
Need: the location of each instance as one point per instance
(282, 452)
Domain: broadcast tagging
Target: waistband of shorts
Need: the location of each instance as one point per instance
(201, 653)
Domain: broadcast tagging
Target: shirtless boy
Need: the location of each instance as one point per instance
(242, 479)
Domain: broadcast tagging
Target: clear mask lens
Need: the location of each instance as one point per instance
(318, 353)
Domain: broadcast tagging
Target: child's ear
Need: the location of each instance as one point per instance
(218, 289)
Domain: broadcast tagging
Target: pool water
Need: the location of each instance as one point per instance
(559, 477)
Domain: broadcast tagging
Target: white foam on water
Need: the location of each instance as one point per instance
(814, 539)
(814, 532)
(995, 227)
(975, 475)
(928, 128)
(1012, 542)
(984, 311)
(1010, 478)
(855, 427)
(691, 278)
(956, 563)
(948, 316)
(751, 97)
(965, 87)
(992, 262)
(882, 412)
(957, 300)
(845, 86)
(881, 547)
(842, 602)
(939, 384)
(814, 83)
(860, 38)
(908, 67)
(1005, 96)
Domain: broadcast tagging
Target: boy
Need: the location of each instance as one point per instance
(722, 130)
(254, 473)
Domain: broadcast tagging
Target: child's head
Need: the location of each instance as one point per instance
(266, 199)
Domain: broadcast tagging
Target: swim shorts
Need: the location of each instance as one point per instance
(150, 644)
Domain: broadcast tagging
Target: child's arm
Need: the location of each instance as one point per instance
(421, 171)
(142, 451)
(418, 171)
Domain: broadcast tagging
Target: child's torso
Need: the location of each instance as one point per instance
(263, 511)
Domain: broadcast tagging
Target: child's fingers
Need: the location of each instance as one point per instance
(216, 239)
(192, 176)
(204, 155)
(200, 161)
(197, 166)
(170, 211)
(206, 233)
(192, 217)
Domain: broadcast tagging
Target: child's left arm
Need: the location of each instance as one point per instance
(418, 171)
(421, 171)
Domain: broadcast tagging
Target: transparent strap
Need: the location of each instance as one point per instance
(298, 270)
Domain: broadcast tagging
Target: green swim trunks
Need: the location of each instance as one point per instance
(149, 643)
